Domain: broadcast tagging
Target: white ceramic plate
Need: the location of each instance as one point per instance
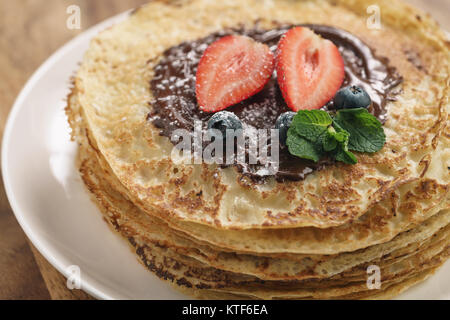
(53, 208)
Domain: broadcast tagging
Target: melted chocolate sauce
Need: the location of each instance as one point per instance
(175, 105)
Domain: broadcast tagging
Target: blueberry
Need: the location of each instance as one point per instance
(283, 123)
(352, 97)
(224, 121)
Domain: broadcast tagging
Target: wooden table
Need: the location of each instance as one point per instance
(30, 31)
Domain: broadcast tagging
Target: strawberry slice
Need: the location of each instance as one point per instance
(310, 69)
(232, 69)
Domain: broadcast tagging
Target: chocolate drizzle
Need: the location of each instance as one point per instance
(175, 106)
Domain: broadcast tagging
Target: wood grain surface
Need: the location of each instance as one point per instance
(30, 31)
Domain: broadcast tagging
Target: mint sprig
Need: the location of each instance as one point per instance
(315, 133)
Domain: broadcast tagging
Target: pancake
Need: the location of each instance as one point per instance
(131, 218)
(388, 293)
(174, 267)
(402, 210)
(113, 88)
(182, 271)
(396, 268)
(217, 232)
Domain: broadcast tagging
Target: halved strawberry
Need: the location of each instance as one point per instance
(232, 69)
(310, 69)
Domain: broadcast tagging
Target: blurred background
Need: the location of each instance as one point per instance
(30, 31)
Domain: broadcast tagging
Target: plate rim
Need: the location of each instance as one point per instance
(10, 123)
(17, 106)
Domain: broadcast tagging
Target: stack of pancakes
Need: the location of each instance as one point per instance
(213, 232)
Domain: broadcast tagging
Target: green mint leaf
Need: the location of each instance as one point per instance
(330, 143)
(301, 147)
(366, 132)
(335, 137)
(311, 124)
(342, 137)
(314, 133)
(346, 156)
(340, 150)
